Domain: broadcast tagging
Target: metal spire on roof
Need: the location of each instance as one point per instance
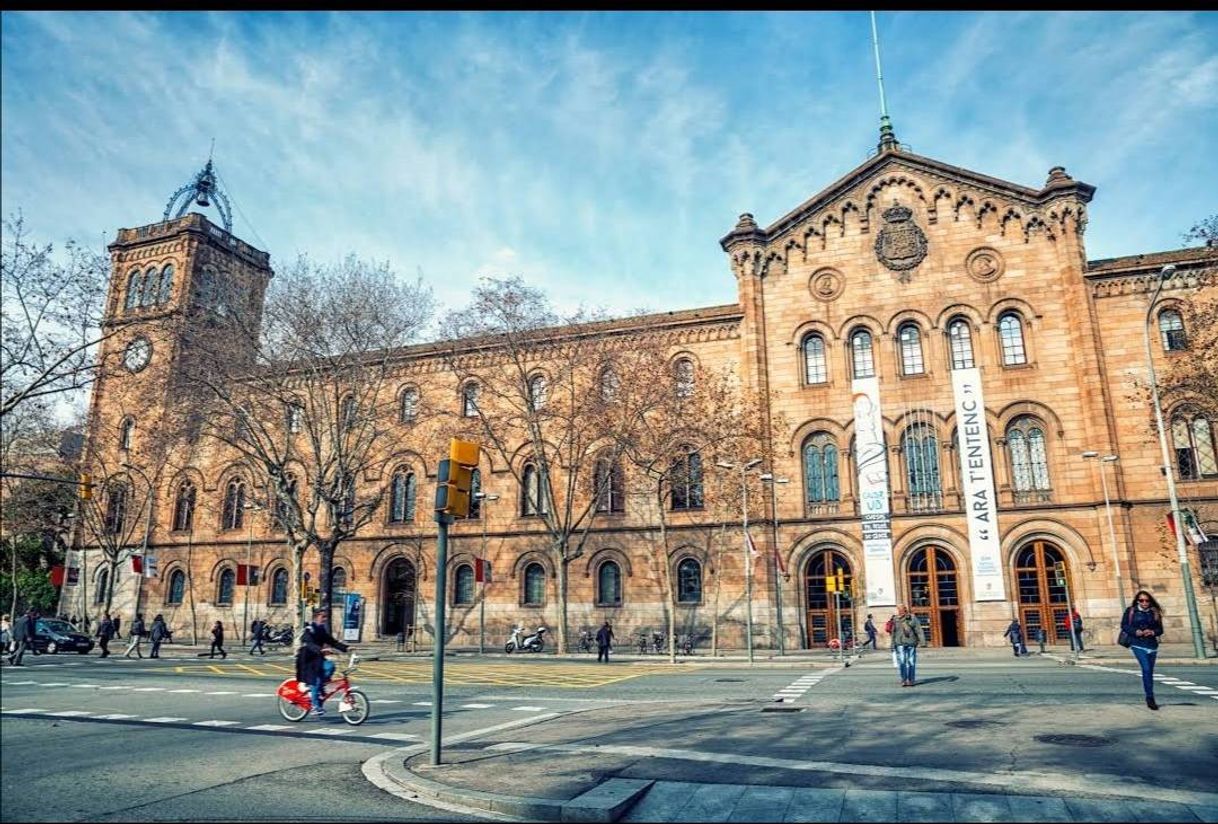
(888, 138)
(199, 191)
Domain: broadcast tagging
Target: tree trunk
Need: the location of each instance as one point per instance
(326, 573)
(190, 587)
(669, 600)
(13, 610)
(563, 563)
(111, 574)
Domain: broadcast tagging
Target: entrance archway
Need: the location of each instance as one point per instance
(934, 595)
(397, 605)
(1042, 601)
(822, 611)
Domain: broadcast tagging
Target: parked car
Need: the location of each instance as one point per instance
(52, 635)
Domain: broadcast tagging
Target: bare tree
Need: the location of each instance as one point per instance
(554, 399)
(51, 310)
(1195, 379)
(299, 391)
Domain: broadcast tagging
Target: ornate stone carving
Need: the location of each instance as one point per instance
(826, 284)
(901, 244)
(985, 265)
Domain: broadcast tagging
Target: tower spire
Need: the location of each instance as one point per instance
(888, 138)
(200, 191)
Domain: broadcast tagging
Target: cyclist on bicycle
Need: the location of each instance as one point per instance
(312, 668)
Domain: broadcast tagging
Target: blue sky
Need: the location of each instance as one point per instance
(599, 155)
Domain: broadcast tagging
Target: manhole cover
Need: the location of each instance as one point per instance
(782, 709)
(974, 723)
(1068, 740)
(729, 680)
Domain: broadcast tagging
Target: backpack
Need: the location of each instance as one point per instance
(888, 627)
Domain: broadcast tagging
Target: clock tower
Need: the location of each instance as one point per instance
(169, 280)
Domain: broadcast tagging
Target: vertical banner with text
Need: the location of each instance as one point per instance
(871, 458)
(352, 607)
(977, 486)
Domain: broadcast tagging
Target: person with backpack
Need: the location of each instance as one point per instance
(1015, 633)
(869, 628)
(907, 636)
(257, 636)
(604, 642)
(1141, 626)
(158, 635)
(136, 635)
(105, 631)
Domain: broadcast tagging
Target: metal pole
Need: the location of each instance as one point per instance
(1075, 640)
(748, 561)
(1116, 556)
(249, 551)
(1182, 551)
(837, 611)
(782, 650)
(437, 665)
(482, 601)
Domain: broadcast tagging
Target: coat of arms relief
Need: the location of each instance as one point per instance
(901, 244)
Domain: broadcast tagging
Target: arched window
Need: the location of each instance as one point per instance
(816, 370)
(610, 487)
(125, 429)
(166, 290)
(683, 377)
(469, 400)
(1171, 329)
(402, 493)
(184, 507)
(820, 469)
(1010, 335)
(463, 586)
(338, 578)
(279, 586)
(533, 500)
(609, 584)
(152, 282)
(117, 496)
(233, 515)
(177, 587)
(1192, 437)
(409, 404)
(284, 508)
(861, 354)
(475, 486)
(960, 336)
(909, 339)
(534, 585)
(135, 285)
(1029, 461)
(539, 392)
(609, 384)
(920, 449)
(686, 480)
(102, 586)
(689, 581)
(225, 586)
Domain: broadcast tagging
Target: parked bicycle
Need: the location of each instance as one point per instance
(294, 700)
(656, 642)
(587, 642)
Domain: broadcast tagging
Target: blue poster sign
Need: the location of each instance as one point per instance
(352, 616)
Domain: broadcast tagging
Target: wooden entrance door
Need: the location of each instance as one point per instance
(1042, 602)
(822, 613)
(934, 595)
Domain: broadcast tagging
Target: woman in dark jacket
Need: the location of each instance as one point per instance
(217, 641)
(312, 668)
(158, 634)
(1143, 623)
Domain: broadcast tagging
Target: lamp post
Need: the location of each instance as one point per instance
(484, 497)
(748, 556)
(1116, 556)
(248, 506)
(139, 582)
(1185, 571)
(768, 477)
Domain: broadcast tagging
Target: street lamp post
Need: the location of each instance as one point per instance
(139, 582)
(1116, 556)
(484, 497)
(748, 556)
(769, 478)
(248, 506)
(1185, 571)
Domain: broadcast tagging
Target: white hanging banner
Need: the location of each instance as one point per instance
(977, 486)
(871, 457)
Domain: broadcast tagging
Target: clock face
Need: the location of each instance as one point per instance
(137, 354)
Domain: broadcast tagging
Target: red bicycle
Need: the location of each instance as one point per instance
(295, 702)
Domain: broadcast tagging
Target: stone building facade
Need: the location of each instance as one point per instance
(941, 348)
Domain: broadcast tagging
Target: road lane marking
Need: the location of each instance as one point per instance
(476, 706)
(215, 723)
(422, 703)
(386, 701)
(113, 688)
(85, 686)
(528, 709)
(148, 689)
(797, 688)
(114, 716)
(27, 709)
(57, 684)
(396, 736)
(326, 731)
(220, 692)
(19, 683)
(186, 690)
(165, 720)
(70, 713)
(258, 695)
(271, 727)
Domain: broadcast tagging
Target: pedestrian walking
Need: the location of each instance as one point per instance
(257, 636)
(137, 636)
(217, 641)
(1015, 634)
(23, 636)
(158, 635)
(105, 631)
(1142, 625)
(116, 620)
(869, 628)
(604, 641)
(907, 636)
(1076, 630)
(6, 635)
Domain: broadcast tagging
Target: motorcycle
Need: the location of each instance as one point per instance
(279, 635)
(531, 643)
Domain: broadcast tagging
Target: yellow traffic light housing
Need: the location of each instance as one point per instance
(86, 486)
(455, 479)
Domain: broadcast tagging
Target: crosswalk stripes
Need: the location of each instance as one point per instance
(802, 684)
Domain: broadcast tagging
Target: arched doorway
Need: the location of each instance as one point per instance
(934, 595)
(397, 605)
(822, 607)
(1042, 601)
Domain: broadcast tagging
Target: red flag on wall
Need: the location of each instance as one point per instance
(57, 575)
(243, 575)
(482, 571)
(137, 564)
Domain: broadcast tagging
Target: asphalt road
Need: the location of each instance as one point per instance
(86, 739)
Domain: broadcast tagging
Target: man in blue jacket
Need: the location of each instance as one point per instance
(312, 667)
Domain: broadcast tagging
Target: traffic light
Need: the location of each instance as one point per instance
(86, 486)
(1059, 570)
(830, 583)
(455, 479)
